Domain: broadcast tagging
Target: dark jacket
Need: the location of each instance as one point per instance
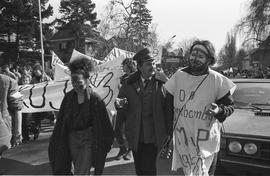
(59, 154)
(162, 110)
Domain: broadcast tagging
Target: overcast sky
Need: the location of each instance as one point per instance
(204, 19)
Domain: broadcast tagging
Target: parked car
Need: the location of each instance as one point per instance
(245, 142)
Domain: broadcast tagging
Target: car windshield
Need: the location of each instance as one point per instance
(252, 95)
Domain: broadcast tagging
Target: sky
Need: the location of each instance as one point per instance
(204, 19)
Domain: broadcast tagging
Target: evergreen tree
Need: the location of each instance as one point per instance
(79, 16)
(21, 17)
(141, 20)
(79, 12)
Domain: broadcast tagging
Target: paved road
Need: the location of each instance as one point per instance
(32, 159)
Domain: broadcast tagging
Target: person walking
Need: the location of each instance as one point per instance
(202, 101)
(143, 100)
(11, 103)
(25, 80)
(6, 71)
(38, 76)
(129, 67)
(83, 133)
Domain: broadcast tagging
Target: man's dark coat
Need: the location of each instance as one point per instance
(162, 110)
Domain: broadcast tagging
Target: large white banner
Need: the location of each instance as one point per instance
(48, 96)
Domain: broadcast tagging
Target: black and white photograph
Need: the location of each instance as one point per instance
(135, 87)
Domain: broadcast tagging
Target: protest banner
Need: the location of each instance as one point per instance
(48, 96)
(55, 60)
(76, 54)
(116, 52)
(61, 72)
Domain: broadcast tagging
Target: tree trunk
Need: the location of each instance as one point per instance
(8, 37)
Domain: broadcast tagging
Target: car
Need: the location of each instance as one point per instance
(245, 139)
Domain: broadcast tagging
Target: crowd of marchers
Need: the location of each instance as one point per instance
(146, 120)
(23, 75)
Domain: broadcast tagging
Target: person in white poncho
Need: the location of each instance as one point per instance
(202, 101)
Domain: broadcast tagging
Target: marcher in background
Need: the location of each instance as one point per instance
(10, 115)
(83, 133)
(6, 71)
(38, 76)
(25, 79)
(143, 100)
(26, 126)
(129, 67)
(26, 72)
(202, 100)
(15, 70)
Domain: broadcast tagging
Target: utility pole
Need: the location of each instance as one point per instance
(41, 36)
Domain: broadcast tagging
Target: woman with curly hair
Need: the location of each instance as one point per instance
(129, 67)
(83, 134)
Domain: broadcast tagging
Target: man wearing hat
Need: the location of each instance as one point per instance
(202, 101)
(148, 110)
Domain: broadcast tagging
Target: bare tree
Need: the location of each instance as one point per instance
(227, 55)
(240, 56)
(184, 46)
(112, 19)
(129, 21)
(255, 25)
(153, 38)
(116, 20)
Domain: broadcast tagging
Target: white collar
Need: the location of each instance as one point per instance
(143, 79)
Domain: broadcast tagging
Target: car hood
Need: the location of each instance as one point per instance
(244, 121)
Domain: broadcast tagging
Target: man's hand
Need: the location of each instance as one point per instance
(16, 140)
(120, 102)
(160, 75)
(212, 109)
(167, 148)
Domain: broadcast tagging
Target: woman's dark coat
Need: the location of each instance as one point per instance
(59, 155)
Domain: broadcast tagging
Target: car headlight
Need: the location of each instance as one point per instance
(235, 147)
(250, 148)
